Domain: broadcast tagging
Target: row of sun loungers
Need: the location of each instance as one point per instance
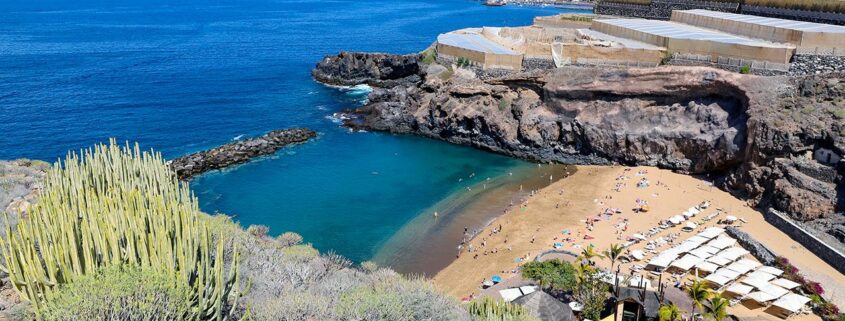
(716, 255)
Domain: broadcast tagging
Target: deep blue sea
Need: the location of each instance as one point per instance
(182, 76)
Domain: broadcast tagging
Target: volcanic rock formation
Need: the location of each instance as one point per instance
(775, 141)
(238, 152)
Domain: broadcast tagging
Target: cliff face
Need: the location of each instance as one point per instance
(765, 139)
(374, 69)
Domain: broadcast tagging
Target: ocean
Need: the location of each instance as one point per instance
(182, 76)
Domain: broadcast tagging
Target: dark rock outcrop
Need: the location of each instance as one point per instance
(755, 136)
(757, 249)
(238, 152)
(374, 69)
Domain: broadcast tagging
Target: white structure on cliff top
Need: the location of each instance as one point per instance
(806, 36)
(684, 38)
(479, 49)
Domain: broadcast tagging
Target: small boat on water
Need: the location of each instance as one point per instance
(495, 3)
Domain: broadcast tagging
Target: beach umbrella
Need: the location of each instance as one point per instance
(691, 225)
(730, 218)
(675, 220)
(637, 255)
(496, 279)
(638, 236)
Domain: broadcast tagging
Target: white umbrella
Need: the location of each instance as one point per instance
(691, 225)
(637, 255)
(638, 236)
(730, 218)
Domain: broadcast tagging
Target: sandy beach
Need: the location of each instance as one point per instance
(565, 206)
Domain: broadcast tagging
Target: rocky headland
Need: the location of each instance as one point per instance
(774, 141)
(238, 152)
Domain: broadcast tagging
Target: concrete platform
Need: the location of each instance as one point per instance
(683, 38)
(803, 35)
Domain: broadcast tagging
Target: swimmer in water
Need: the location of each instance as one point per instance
(435, 214)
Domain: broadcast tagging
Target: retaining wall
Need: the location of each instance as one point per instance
(801, 15)
(662, 9)
(821, 249)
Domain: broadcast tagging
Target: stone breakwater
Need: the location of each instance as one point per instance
(238, 152)
(776, 142)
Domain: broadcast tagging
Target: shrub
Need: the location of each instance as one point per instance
(369, 266)
(746, 69)
(289, 239)
(463, 62)
(488, 309)
(554, 274)
(396, 298)
(814, 288)
(301, 252)
(504, 104)
(258, 230)
(429, 56)
(120, 293)
(117, 206)
(839, 113)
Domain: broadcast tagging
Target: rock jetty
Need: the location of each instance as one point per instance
(238, 152)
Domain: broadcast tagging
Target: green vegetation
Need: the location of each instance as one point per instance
(488, 309)
(699, 293)
(110, 207)
(505, 104)
(589, 253)
(552, 274)
(590, 291)
(746, 69)
(576, 18)
(463, 62)
(717, 310)
(669, 313)
(839, 113)
(667, 58)
(429, 56)
(613, 254)
(126, 293)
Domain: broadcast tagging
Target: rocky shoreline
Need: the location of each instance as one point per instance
(238, 152)
(776, 142)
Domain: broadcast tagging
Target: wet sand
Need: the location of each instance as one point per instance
(427, 244)
(585, 195)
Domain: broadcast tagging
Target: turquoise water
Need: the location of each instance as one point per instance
(181, 76)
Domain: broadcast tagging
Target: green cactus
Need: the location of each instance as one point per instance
(488, 309)
(113, 206)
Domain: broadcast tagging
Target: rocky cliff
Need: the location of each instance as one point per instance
(775, 141)
(374, 69)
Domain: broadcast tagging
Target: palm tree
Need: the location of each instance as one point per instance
(581, 272)
(669, 313)
(613, 253)
(718, 309)
(589, 253)
(699, 293)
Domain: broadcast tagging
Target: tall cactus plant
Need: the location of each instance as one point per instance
(115, 205)
(487, 309)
